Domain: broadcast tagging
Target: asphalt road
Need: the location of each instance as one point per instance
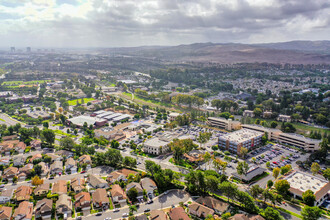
(103, 171)
(174, 197)
(7, 120)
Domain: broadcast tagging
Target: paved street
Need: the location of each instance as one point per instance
(7, 120)
(174, 197)
(102, 170)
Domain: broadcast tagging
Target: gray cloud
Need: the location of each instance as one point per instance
(159, 22)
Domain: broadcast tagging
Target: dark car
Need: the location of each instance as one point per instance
(147, 210)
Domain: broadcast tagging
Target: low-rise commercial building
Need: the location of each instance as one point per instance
(248, 113)
(234, 141)
(223, 123)
(284, 118)
(292, 139)
(301, 182)
(79, 121)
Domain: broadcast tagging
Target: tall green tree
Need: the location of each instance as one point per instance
(311, 213)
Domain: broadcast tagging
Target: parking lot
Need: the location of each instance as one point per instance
(278, 156)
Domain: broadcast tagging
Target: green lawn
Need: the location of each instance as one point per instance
(24, 83)
(59, 132)
(74, 102)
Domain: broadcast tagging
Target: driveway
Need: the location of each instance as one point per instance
(174, 197)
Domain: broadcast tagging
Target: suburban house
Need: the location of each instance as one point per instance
(19, 161)
(5, 213)
(77, 184)
(200, 210)
(20, 147)
(24, 211)
(6, 195)
(64, 206)
(35, 157)
(5, 161)
(41, 189)
(43, 209)
(85, 159)
(44, 169)
(139, 189)
(56, 167)
(83, 201)
(60, 187)
(120, 175)
(54, 157)
(118, 194)
(149, 185)
(178, 213)
(25, 171)
(97, 182)
(23, 193)
(158, 215)
(141, 217)
(71, 165)
(64, 153)
(36, 144)
(218, 206)
(100, 199)
(10, 173)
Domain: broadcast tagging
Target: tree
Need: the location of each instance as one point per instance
(270, 183)
(272, 214)
(114, 144)
(282, 186)
(326, 174)
(246, 201)
(132, 193)
(315, 168)
(308, 197)
(37, 169)
(48, 136)
(256, 191)
(36, 181)
(132, 209)
(129, 162)
(212, 183)
(311, 213)
(273, 124)
(203, 137)
(242, 168)
(276, 172)
(285, 169)
(257, 112)
(207, 158)
(45, 124)
(243, 152)
(267, 195)
(228, 189)
(67, 143)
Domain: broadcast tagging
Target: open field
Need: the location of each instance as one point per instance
(74, 102)
(301, 128)
(140, 101)
(16, 83)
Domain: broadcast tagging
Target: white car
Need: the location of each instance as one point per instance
(116, 210)
(125, 215)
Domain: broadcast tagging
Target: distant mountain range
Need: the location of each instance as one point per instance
(294, 52)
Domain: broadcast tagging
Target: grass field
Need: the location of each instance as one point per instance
(140, 101)
(301, 128)
(15, 83)
(74, 102)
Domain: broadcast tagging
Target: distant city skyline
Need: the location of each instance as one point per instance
(98, 23)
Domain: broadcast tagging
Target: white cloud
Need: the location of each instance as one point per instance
(133, 23)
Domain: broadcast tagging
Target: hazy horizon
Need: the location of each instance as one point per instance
(104, 24)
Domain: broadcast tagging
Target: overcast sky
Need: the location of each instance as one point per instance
(112, 23)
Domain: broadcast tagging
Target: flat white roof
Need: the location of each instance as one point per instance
(304, 181)
(104, 114)
(110, 117)
(241, 135)
(99, 112)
